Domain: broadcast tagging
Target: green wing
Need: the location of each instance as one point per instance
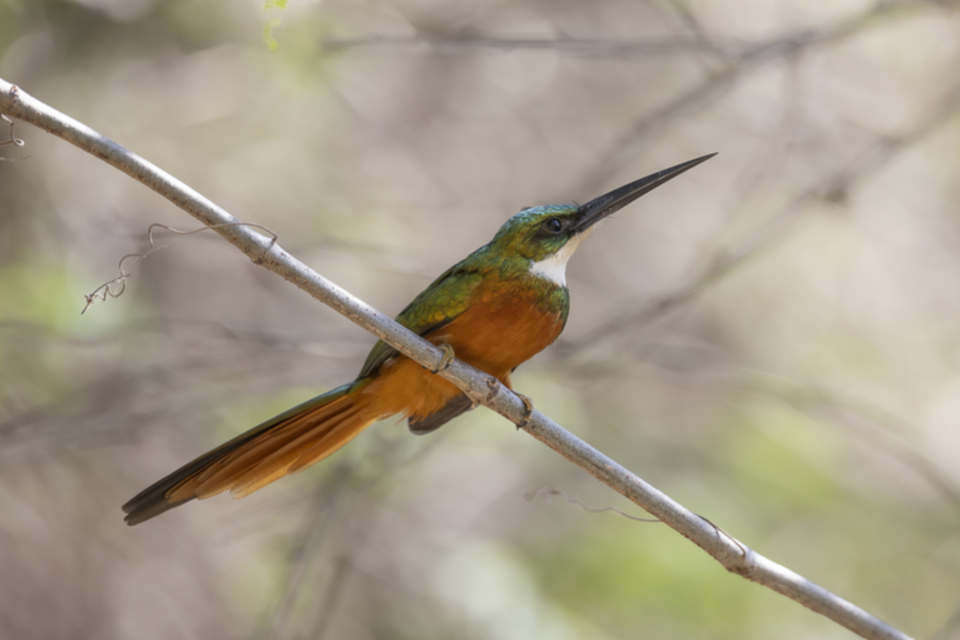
(436, 306)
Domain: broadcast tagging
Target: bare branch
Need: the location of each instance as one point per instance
(832, 187)
(463, 44)
(479, 386)
(716, 84)
(321, 523)
(707, 44)
(738, 53)
(878, 429)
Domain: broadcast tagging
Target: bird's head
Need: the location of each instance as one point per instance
(549, 235)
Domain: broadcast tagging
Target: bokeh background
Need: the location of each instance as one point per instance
(773, 338)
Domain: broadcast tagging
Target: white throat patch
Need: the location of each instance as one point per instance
(554, 268)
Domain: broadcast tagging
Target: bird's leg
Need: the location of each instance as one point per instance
(528, 404)
(448, 356)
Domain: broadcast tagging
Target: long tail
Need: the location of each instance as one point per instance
(283, 445)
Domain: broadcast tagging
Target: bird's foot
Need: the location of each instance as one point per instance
(528, 405)
(448, 356)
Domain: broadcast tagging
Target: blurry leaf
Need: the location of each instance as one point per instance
(273, 7)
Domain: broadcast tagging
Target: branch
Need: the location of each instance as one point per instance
(465, 44)
(791, 44)
(834, 187)
(480, 387)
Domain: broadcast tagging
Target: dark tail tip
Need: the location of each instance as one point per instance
(147, 504)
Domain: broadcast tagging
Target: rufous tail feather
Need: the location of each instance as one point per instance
(292, 441)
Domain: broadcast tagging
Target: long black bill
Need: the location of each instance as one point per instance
(599, 208)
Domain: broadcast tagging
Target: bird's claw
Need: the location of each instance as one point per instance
(448, 356)
(528, 405)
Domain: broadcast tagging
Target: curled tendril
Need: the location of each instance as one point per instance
(115, 288)
(14, 140)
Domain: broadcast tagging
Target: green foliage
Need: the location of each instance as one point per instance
(273, 8)
(40, 294)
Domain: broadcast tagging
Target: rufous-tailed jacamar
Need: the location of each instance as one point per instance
(496, 309)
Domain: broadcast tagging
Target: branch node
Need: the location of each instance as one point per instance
(260, 260)
(494, 388)
(740, 567)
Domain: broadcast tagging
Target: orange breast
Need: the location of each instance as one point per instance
(497, 333)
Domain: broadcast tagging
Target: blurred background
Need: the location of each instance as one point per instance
(773, 338)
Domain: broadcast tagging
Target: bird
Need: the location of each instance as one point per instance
(494, 310)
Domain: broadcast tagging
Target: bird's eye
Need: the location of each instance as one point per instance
(553, 225)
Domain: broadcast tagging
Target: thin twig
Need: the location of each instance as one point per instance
(546, 490)
(322, 521)
(832, 187)
(332, 511)
(464, 44)
(737, 59)
(477, 385)
(879, 429)
(716, 84)
(707, 44)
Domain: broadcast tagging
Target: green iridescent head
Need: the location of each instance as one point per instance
(536, 233)
(550, 234)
